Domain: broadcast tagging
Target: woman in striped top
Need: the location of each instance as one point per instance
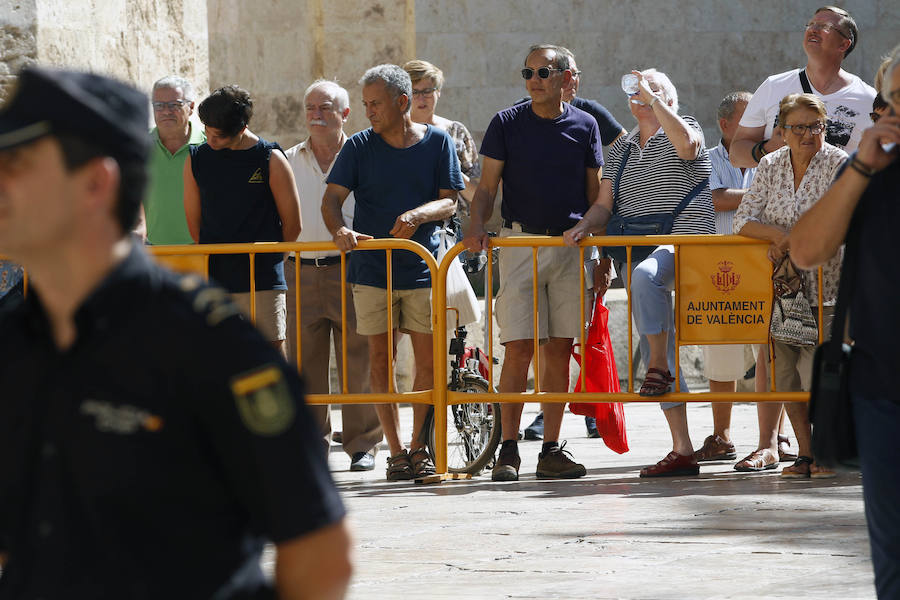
(666, 159)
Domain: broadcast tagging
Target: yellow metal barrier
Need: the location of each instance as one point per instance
(679, 241)
(435, 396)
(196, 258)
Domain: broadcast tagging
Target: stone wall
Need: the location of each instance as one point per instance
(136, 40)
(275, 49)
(18, 46)
(708, 47)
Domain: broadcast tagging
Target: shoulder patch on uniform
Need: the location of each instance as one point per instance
(257, 176)
(215, 304)
(264, 401)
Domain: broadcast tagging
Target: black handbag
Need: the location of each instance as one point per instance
(653, 224)
(830, 406)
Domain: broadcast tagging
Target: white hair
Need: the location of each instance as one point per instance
(894, 57)
(665, 85)
(340, 95)
(171, 82)
(395, 79)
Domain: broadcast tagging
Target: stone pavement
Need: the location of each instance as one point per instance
(722, 534)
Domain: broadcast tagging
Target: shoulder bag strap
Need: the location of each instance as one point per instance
(691, 195)
(619, 175)
(804, 82)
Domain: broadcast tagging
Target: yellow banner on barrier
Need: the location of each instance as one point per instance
(724, 295)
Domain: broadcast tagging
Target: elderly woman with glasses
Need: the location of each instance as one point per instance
(427, 81)
(660, 168)
(788, 182)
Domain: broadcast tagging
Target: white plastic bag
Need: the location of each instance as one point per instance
(460, 294)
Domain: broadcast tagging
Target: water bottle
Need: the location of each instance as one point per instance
(630, 84)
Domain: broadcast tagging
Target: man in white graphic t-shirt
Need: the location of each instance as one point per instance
(829, 37)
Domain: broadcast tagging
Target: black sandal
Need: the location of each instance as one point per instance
(798, 470)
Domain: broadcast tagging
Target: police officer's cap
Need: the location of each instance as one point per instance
(103, 111)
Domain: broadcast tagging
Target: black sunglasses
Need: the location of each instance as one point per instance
(543, 72)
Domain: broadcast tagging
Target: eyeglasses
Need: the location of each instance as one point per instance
(543, 72)
(825, 27)
(425, 93)
(800, 130)
(161, 106)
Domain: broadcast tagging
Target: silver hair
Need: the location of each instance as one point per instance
(561, 56)
(340, 95)
(170, 82)
(894, 57)
(669, 93)
(729, 104)
(395, 79)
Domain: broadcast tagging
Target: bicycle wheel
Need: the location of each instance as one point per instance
(473, 430)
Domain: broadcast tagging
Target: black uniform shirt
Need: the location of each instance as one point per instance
(154, 456)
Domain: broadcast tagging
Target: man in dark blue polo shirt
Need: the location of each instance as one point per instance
(150, 440)
(404, 177)
(548, 154)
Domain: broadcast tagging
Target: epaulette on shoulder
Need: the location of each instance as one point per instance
(212, 303)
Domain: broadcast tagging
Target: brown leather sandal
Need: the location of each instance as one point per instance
(422, 466)
(658, 385)
(398, 467)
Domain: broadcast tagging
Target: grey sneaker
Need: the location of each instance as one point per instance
(556, 464)
(507, 466)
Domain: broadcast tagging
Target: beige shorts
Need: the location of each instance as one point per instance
(724, 362)
(793, 364)
(411, 309)
(271, 312)
(559, 294)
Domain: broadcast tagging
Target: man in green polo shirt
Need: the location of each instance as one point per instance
(163, 220)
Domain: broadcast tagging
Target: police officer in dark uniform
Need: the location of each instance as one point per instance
(150, 440)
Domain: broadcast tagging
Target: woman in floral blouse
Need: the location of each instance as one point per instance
(427, 81)
(788, 182)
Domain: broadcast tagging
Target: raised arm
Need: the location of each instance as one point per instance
(686, 140)
(191, 201)
(287, 200)
(476, 237)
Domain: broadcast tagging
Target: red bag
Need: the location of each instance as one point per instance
(601, 376)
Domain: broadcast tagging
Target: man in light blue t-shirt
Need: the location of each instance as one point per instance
(404, 177)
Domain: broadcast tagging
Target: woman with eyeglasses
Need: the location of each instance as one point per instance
(427, 81)
(788, 182)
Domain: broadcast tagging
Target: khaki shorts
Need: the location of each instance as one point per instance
(559, 294)
(724, 362)
(410, 309)
(793, 364)
(271, 312)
